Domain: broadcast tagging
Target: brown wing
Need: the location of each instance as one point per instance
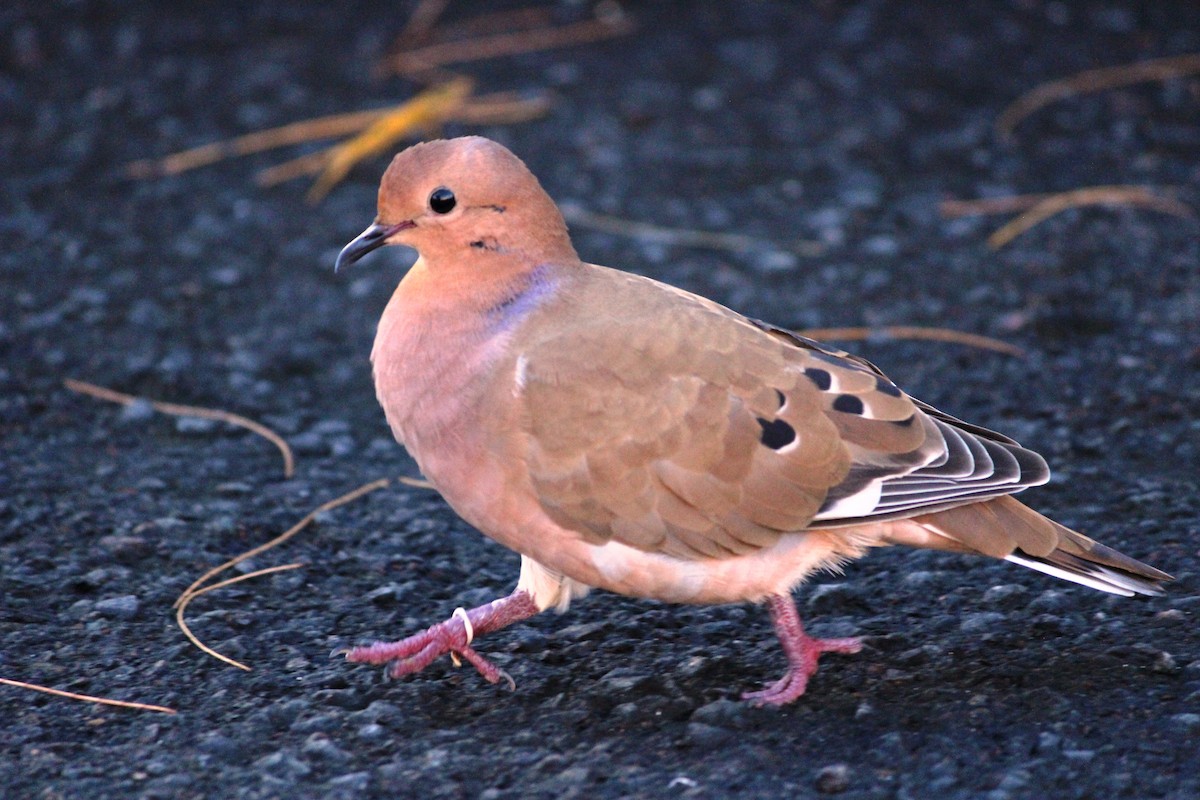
(672, 424)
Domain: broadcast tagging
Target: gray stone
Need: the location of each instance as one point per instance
(703, 735)
(729, 714)
(981, 621)
(833, 779)
(282, 764)
(1189, 722)
(125, 606)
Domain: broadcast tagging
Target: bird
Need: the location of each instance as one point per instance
(624, 434)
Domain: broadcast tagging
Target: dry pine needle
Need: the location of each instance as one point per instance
(178, 410)
(86, 698)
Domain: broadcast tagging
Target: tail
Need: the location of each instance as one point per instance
(1005, 528)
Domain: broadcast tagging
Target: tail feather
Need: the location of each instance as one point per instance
(1088, 573)
(1005, 528)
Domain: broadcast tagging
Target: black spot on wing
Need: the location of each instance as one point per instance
(886, 387)
(776, 433)
(820, 378)
(848, 404)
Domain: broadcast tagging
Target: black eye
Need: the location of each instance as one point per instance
(442, 200)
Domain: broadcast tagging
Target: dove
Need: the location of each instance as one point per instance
(623, 434)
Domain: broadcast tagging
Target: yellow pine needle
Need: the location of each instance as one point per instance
(428, 109)
(492, 109)
(256, 142)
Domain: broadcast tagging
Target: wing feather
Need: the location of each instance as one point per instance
(675, 425)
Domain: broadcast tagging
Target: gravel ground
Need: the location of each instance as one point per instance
(842, 124)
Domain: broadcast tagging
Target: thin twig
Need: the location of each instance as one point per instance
(915, 332)
(681, 237)
(507, 44)
(417, 483)
(422, 20)
(256, 142)
(953, 209)
(490, 109)
(501, 108)
(307, 164)
(87, 697)
(422, 25)
(196, 588)
(188, 597)
(283, 537)
(177, 410)
(1137, 196)
(1093, 80)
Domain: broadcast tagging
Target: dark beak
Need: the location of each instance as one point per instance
(372, 238)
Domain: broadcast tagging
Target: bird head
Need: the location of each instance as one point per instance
(454, 200)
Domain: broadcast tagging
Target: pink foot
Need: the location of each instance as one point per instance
(453, 637)
(802, 653)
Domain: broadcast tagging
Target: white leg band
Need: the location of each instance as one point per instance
(461, 613)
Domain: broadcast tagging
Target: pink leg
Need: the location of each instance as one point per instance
(802, 652)
(452, 636)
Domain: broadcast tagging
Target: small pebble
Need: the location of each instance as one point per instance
(980, 621)
(123, 607)
(125, 548)
(1188, 722)
(371, 732)
(137, 411)
(829, 598)
(1165, 664)
(350, 783)
(282, 764)
(320, 747)
(704, 735)
(1049, 601)
(195, 426)
(1006, 595)
(723, 714)
(833, 779)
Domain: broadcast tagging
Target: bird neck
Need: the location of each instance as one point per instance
(469, 288)
(441, 334)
